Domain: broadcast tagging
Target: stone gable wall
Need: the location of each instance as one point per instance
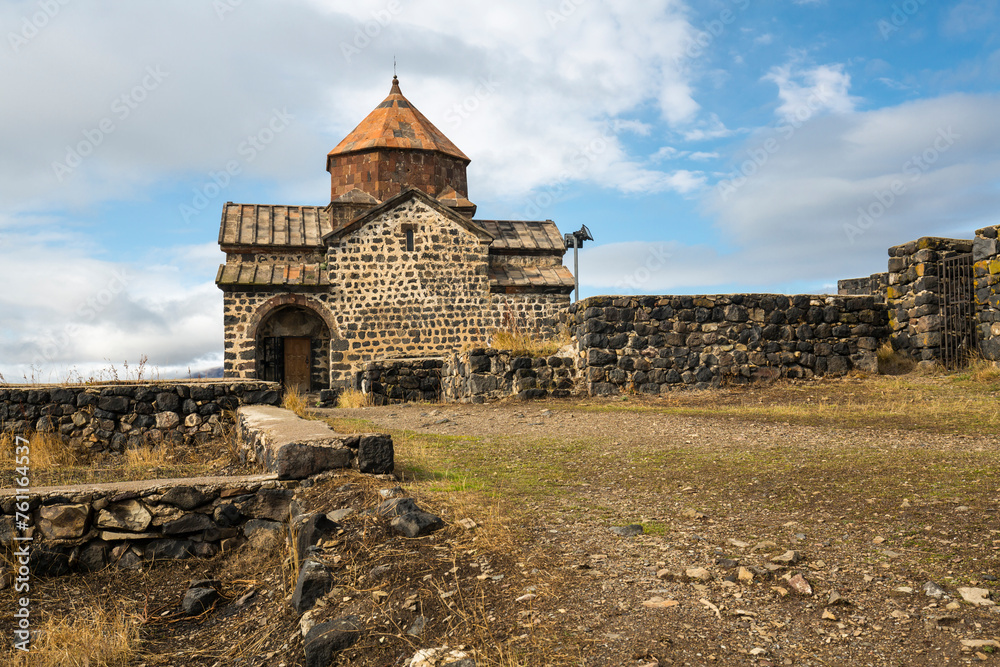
(386, 303)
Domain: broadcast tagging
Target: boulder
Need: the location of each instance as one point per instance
(310, 529)
(325, 640)
(416, 524)
(376, 455)
(197, 600)
(314, 582)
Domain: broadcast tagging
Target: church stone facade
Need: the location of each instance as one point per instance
(395, 267)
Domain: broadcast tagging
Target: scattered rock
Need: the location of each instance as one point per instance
(828, 616)
(441, 657)
(787, 558)
(309, 529)
(314, 582)
(397, 507)
(932, 590)
(980, 643)
(738, 544)
(628, 531)
(339, 515)
(979, 597)
(659, 603)
(727, 563)
(375, 454)
(416, 524)
(800, 585)
(417, 627)
(694, 514)
(395, 492)
(766, 545)
(326, 640)
(468, 524)
(836, 598)
(197, 600)
(699, 573)
(744, 574)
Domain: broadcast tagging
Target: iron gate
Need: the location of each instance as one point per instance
(958, 339)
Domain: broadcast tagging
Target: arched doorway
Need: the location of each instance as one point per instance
(293, 347)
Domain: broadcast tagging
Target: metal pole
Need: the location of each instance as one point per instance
(576, 265)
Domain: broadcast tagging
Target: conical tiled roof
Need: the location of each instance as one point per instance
(395, 123)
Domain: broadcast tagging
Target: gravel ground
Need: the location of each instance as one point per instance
(870, 516)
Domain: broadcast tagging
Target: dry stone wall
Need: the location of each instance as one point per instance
(913, 294)
(986, 272)
(486, 374)
(654, 344)
(120, 416)
(403, 381)
(89, 528)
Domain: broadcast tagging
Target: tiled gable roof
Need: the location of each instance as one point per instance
(552, 279)
(521, 235)
(265, 225)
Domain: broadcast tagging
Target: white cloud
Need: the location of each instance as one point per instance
(809, 91)
(829, 201)
(85, 313)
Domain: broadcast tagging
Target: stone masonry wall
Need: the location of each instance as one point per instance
(486, 374)
(88, 528)
(874, 285)
(914, 297)
(119, 416)
(986, 271)
(403, 381)
(653, 344)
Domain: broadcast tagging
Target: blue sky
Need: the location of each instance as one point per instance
(718, 146)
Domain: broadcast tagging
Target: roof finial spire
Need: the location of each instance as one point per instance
(394, 66)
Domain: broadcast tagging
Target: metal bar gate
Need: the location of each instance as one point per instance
(958, 338)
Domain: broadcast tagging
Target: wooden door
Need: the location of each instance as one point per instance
(297, 363)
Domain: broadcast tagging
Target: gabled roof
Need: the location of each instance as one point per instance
(395, 123)
(551, 279)
(402, 198)
(524, 235)
(266, 225)
(251, 274)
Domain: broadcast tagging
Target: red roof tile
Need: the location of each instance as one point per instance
(395, 123)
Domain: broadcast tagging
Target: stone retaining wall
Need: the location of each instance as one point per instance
(486, 374)
(403, 380)
(873, 285)
(653, 344)
(90, 527)
(986, 272)
(914, 294)
(119, 416)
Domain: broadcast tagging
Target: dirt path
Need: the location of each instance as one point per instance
(870, 514)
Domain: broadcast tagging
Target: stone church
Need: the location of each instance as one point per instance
(395, 266)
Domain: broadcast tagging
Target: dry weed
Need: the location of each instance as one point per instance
(45, 450)
(91, 635)
(891, 362)
(294, 401)
(352, 398)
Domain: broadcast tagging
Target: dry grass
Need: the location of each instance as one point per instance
(147, 457)
(294, 401)
(92, 636)
(983, 370)
(891, 362)
(352, 398)
(521, 343)
(45, 451)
